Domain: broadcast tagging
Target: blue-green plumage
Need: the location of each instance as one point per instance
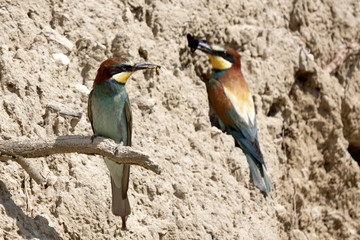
(216, 74)
(108, 103)
(109, 108)
(110, 116)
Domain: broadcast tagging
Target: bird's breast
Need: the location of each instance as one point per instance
(108, 113)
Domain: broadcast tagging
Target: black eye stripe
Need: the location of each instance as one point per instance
(120, 68)
(222, 54)
(123, 67)
(226, 55)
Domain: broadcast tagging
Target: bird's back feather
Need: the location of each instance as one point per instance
(232, 101)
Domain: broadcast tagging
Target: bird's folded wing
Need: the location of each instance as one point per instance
(244, 128)
(89, 110)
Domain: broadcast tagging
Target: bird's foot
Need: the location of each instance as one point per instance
(123, 223)
(117, 149)
(93, 138)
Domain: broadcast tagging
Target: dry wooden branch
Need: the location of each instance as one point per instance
(25, 164)
(18, 150)
(64, 112)
(344, 53)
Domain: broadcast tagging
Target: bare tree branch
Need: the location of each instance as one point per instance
(64, 112)
(26, 165)
(20, 149)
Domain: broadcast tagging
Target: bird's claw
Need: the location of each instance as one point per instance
(123, 218)
(118, 147)
(93, 138)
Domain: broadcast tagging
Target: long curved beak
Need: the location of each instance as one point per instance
(144, 65)
(194, 44)
(204, 47)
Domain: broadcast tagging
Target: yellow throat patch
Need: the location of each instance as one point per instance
(122, 77)
(219, 63)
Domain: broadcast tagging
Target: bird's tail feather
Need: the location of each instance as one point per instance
(259, 175)
(120, 205)
(120, 174)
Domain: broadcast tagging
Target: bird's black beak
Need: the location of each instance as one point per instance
(204, 47)
(194, 44)
(143, 66)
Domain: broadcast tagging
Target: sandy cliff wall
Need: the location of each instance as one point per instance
(308, 119)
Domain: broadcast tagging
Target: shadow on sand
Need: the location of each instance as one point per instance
(29, 228)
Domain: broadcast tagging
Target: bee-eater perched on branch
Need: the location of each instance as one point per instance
(232, 101)
(109, 112)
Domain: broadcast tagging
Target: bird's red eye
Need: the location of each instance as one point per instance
(223, 54)
(123, 68)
